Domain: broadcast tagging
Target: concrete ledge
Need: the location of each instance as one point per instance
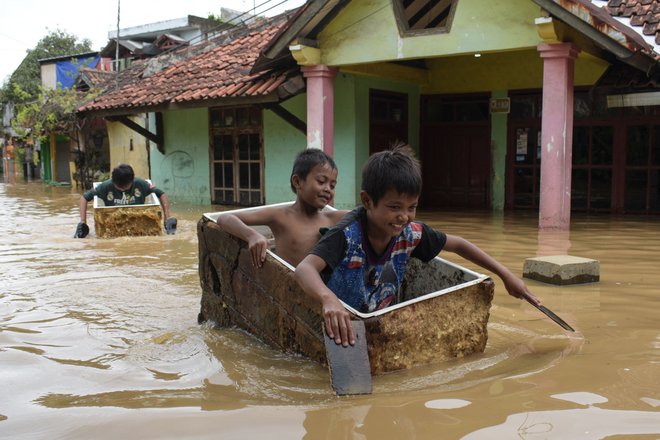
(562, 269)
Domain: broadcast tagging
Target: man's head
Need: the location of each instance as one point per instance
(306, 160)
(394, 169)
(123, 176)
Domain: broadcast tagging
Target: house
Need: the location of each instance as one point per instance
(148, 40)
(61, 72)
(209, 117)
(138, 44)
(546, 105)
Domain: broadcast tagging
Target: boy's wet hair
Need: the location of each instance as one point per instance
(396, 168)
(123, 174)
(306, 160)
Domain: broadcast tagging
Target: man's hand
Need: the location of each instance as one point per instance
(81, 230)
(170, 225)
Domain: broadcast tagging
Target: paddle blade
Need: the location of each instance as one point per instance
(550, 314)
(350, 371)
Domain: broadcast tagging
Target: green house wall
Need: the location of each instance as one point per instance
(281, 144)
(361, 41)
(183, 171)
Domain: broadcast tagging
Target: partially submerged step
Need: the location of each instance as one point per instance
(562, 269)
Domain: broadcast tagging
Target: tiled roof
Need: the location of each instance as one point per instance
(221, 72)
(642, 13)
(617, 35)
(95, 78)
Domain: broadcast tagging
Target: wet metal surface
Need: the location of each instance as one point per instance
(98, 339)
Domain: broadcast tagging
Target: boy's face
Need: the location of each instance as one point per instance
(123, 187)
(392, 212)
(318, 188)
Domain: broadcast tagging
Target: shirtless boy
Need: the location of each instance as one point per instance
(296, 226)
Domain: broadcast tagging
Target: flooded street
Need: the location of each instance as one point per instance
(99, 339)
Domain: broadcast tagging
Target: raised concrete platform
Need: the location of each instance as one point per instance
(562, 269)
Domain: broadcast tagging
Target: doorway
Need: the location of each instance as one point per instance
(388, 119)
(455, 152)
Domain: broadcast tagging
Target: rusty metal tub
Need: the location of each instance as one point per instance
(443, 313)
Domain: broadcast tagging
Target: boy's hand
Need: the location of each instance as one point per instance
(81, 230)
(338, 322)
(170, 225)
(517, 288)
(258, 244)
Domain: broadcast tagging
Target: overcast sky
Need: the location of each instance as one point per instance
(24, 22)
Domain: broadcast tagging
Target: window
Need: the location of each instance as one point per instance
(236, 154)
(424, 16)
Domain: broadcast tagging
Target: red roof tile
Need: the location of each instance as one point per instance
(220, 72)
(644, 13)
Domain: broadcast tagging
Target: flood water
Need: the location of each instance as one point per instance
(99, 340)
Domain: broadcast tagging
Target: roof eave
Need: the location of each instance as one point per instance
(603, 30)
(312, 16)
(170, 106)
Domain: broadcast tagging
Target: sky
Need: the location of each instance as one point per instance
(24, 22)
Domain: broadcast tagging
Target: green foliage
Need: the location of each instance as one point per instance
(23, 85)
(53, 112)
(212, 16)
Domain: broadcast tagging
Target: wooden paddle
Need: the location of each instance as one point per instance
(350, 371)
(549, 313)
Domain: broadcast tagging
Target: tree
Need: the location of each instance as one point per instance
(24, 83)
(54, 112)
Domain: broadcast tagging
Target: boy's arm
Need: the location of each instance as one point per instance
(338, 214)
(239, 226)
(514, 285)
(336, 317)
(82, 204)
(165, 206)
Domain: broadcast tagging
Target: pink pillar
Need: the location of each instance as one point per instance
(556, 135)
(320, 107)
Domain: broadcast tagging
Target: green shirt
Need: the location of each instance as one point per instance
(111, 196)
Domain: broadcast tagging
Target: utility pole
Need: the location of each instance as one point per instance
(117, 46)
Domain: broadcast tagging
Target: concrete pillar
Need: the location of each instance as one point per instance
(320, 107)
(556, 135)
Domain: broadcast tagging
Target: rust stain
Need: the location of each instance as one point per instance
(603, 22)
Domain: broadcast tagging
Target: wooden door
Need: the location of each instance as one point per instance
(388, 119)
(456, 166)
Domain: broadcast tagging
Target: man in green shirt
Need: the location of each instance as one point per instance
(123, 189)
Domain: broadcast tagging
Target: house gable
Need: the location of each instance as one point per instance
(367, 32)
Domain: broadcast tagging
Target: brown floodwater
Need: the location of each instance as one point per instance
(99, 340)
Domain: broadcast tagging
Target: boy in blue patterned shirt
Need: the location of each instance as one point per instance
(363, 259)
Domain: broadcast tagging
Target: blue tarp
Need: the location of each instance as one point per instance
(67, 71)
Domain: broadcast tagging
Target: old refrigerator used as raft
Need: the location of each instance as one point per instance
(128, 220)
(443, 313)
